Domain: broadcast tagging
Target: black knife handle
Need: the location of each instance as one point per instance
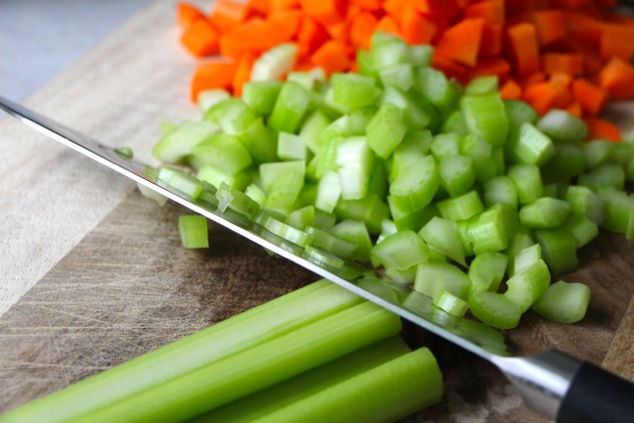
(596, 395)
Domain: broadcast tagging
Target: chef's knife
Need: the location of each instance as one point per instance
(553, 383)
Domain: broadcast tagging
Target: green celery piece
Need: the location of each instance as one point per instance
(415, 220)
(500, 189)
(528, 284)
(224, 152)
(495, 309)
(215, 177)
(324, 220)
(418, 112)
(181, 182)
(283, 193)
(284, 230)
(623, 153)
(302, 217)
(519, 112)
(327, 156)
(487, 270)
(545, 212)
(386, 130)
(483, 156)
(308, 79)
(355, 162)
(454, 123)
(456, 174)
(400, 250)
(254, 192)
(260, 96)
(356, 232)
(312, 128)
(485, 116)
(597, 152)
(435, 87)
(414, 146)
(585, 202)
(405, 276)
(193, 231)
(371, 210)
(178, 143)
(323, 258)
(492, 229)
(446, 144)
(259, 141)
(530, 145)
(125, 153)
(307, 384)
(270, 172)
(360, 118)
(352, 91)
(482, 85)
(582, 229)
(562, 126)
(332, 243)
(328, 192)
(378, 183)
(274, 63)
(389, 52)
(528, 181)
(290, 107)
(290, 147)
(448, 302)
(264, 365)
(564, 302)
(208, 98)
(568, 162)
(377, 394)
(432, 276)
(526, 257)
(415, 186)
(223, 339)
(462, 207)
(559, 249)
(442, 235)
(364, 64)
(400, 76)
(619, 210)
(609, 174)
(233, 199)
(232, 115)
(421, 55)
(520, 241)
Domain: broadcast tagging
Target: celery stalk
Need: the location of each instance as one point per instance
(307, 384)
(257, 368)
(224, 339)
(388, 392)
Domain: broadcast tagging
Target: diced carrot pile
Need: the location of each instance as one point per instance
(570, 54)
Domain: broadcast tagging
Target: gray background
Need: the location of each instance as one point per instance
(39, 38)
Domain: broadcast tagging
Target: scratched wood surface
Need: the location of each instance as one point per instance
(93, 274)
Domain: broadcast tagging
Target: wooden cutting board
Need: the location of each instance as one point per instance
(92, 274)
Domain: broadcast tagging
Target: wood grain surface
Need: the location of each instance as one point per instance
(93, 274)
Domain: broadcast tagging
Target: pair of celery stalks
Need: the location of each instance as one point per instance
(314, 355)
(475, 201)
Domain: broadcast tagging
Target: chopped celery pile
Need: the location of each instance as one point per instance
(448, 189)
(319, 353)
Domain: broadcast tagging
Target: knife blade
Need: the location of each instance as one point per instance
(552, 383)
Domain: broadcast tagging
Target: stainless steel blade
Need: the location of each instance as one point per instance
(542, 379)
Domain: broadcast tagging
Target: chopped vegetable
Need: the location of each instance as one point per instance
(436, 185)
(193, 231)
